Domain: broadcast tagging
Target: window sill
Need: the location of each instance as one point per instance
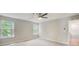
(6, 37)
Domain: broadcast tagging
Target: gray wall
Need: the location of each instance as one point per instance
(55, 30)
(23, 31)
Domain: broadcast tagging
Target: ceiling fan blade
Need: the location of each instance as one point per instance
(44, 14)
(39, 14)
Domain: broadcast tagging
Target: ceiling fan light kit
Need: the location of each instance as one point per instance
(39, 18)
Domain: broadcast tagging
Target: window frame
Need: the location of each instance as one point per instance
(37, 31)
(12, 30)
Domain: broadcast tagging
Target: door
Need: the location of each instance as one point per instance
(74, 32)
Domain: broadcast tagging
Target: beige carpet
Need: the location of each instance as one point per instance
(36, 42)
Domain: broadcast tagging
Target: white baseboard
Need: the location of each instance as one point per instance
(60, 42)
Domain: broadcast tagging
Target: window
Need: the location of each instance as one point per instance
(6, 29)
(35, 29)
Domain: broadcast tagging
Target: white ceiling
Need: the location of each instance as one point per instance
(31, 17)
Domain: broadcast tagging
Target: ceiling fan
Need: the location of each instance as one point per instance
(41, 15)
